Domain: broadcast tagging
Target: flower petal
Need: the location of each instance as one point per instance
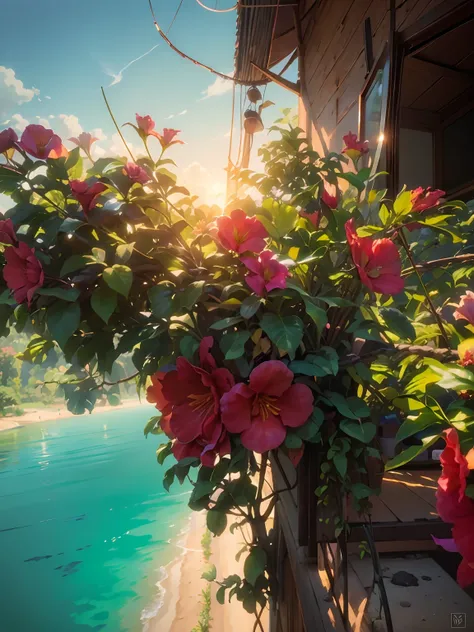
(264, 435)
(272, 377)
(296, 405)
(236, 408)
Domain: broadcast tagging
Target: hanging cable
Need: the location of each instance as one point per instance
(184, 55)
(175, 16)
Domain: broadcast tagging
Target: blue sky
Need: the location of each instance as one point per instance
(57, 54)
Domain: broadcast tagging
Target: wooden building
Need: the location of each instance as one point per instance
(401, 74)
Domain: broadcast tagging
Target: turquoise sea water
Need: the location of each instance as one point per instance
(85, 524)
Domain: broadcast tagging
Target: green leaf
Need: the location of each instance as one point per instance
(63, 319)
(163, 452)
(411, 453)
(317, 314)
(225, 323)
(455, 378)
(286, 332)
(153, 426)
(185, 299)
(67, 294)
(74, 165)
(352, 407)
(201, 489)
(250, 306)
(311, 428)
(233, 344)
(414, 424)
(340, 462)
(188, 345)
(398, 323)
(119, 278)
(293, 441)
(104, 302)
(124, 252)
(403, 204)
(98, 254)
(360, 491)
(216, 521)
(220, 595)
(255, 565)
(210, 573)
(160, 301)
(363, 432)
(353, 180)
(75, 262)
(9, 179)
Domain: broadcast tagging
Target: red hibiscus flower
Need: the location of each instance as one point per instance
(8, 139)
(354, 148)
(314, 218)
(329, 200)
(86, 194)
(190, 395)
(377, 261)
(136, 173)
(154, 395)
(268, 273)
(23, 273)
(465, 309)
(84, 141)
(167, 138)
(466, 352)
(424, 199)
(454, 506)
(263, 410)
(42, 143)
(7, 232)
(241, 233)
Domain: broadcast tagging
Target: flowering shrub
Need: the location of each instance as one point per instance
(300, 315)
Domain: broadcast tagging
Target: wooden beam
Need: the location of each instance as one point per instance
(281, 81)
(445, 69)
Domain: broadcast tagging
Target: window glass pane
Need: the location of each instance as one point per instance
(415, 158)
(458, 156)
(373, 124)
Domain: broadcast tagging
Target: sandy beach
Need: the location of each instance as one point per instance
(36, 415)
(183, 585)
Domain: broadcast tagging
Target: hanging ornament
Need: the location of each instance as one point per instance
(253, 122)
(254, 94)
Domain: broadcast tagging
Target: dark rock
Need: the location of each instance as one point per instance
(38, 558)
(402, 578)
(405, 604)
(427, 578)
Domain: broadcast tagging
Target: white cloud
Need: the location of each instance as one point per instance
(49, 98)
(19, 122)
(12, 91)
(218, 87)
(70, 126)
(117, 78)
(51, 116)
(175, 115)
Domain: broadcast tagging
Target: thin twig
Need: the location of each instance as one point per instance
(116, 125)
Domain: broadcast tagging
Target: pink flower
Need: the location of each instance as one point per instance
(241, 233)
(424, 199)
(465, 309)
(267, 273)
(466, 352)
(7, 232)
(86, 194)
(190, 396)
(154, 395)
(41, 142)
(136, 173)
(8, 139)
(329, 200)
(377, 260)
(167, 138)
(84, 141)
(263, 410)
(454, 506)
(23, 273)
(354, 148)
(146, 125)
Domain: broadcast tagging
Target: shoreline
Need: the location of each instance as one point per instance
(37, 415)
